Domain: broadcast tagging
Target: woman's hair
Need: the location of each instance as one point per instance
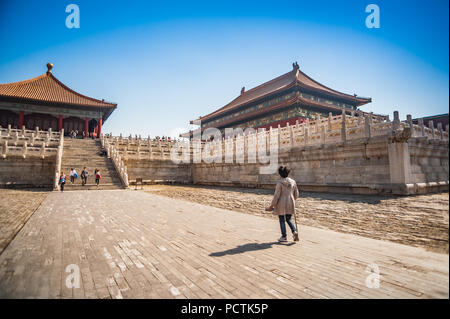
(283, 171)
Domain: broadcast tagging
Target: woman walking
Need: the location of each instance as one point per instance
(283, 203)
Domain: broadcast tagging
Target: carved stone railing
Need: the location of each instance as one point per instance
(329, 130)
(119, 164)
(59, 160)
(28, 143)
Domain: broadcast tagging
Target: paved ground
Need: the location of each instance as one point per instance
(420, 221)
(16, 206)
(131, 244)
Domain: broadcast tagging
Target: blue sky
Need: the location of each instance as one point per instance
(166, 63)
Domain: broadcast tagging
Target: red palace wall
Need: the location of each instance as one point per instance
(43, 121)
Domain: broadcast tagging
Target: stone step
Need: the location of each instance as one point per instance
(101, 186)
(80, 153)
(87, 161)
(91, 180)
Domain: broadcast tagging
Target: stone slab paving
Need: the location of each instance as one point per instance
(132, 244)
(420, 221)
(16, 206)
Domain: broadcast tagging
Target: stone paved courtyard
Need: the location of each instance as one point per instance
(133, 244)
(16, 206)
(412, 220)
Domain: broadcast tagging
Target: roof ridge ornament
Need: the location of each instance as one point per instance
(243, 90)
(49, 68)
(295, 66)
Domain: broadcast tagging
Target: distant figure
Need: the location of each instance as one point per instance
(62, 181)
(286, 192)
(73, 175)
(97, 177)
(84, 175)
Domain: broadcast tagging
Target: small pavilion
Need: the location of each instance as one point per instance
(45, 102)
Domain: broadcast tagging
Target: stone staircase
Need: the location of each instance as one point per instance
(78, 153)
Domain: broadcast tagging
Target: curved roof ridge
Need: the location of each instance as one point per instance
(326, 87)
(25, 81)
(246, 95)
(76, 93)
(46, 87)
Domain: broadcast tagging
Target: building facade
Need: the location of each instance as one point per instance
(435, 119)
(46, 103)
(290, 98)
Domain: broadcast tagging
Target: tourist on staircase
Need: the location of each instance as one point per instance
(73, 175)
(283, 203)
(97, 177)
(84, 175)
(62, 181)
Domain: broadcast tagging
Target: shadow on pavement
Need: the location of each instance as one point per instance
(249, 247)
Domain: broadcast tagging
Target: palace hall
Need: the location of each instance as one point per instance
(45, 102)
(290, 98)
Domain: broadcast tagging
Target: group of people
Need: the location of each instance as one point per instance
(74, 175)
(75, 133)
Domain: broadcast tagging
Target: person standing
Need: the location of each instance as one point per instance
(97, 177)
(283, 203)
(84, 175)
(62, 181)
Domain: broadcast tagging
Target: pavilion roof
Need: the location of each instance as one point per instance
(47, 88)
(293, 78)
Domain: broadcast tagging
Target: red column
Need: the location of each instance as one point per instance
(99, 131)
(60, 123)
(20, 120)
(86, 128)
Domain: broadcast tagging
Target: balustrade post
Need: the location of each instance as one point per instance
(439, 127)
(367, 127)
(396, 122)
(43, 150)
(25, 150)
(343, 127)
(323, 134)
(306, 135)
(330, 117)
(422, 126)
(5, 149)
(291, 137)
(410, 124)
(431, 126)
(279, 135)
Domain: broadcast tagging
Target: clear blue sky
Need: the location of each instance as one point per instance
(168, 62)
